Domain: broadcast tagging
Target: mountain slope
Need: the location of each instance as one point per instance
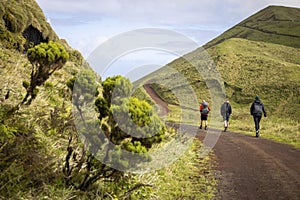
(274, 24)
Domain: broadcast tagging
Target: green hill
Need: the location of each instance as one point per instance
(259, 56)
(274, 24)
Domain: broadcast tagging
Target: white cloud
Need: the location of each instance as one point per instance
(158, 12)
(80, 22)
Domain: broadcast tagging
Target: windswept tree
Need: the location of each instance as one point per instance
(118, 139)
(133, 124)
(46, 58)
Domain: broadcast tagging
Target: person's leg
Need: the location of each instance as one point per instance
(256, 121)
(201, 121)
(258, 127)
(225, 122)
(227, 119)
(206, 123)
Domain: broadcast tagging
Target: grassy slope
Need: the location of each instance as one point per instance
(263, 60)
(274, 24)
(270, 70)
(251, 68)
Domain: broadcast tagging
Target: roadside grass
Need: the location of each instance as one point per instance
(184, 116)
(281, 130)
(189, 177)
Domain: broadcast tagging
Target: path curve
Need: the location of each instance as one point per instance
(163, 106)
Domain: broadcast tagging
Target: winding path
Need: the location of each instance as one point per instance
(252, 168)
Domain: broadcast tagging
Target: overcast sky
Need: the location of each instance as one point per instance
(86, 24)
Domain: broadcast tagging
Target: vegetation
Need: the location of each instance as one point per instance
(45, 58)
(42, 156)
(50, 149)
(22, 24)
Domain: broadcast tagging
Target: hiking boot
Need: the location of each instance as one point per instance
(257, 134)
(225, 129)
(200, 127)
(205, 128)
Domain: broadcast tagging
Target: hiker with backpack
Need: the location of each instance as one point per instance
(204, 110)
(257, 109)
(226, 112)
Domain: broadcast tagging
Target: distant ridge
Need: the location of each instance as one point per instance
(274, 24)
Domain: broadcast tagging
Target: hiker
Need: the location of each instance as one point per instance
(257, 109)
(204, 110)
(226, 112)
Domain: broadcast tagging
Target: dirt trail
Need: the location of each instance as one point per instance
(256, 168)
(253, 168)
(163, 106)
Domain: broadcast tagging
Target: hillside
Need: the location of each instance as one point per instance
(274, 24)
(261, 60)
(22, 24)
(33, 138)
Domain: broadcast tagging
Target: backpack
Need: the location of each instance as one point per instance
(258, 110)
(226, 106)
(205, 109)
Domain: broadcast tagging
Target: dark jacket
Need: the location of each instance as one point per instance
(253, 108)
(226, 109)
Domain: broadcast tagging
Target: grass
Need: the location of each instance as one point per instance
(277, 129)
(187, 178)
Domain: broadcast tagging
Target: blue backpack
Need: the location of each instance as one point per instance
(205, 109)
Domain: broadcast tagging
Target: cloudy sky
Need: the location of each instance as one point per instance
(86, 24)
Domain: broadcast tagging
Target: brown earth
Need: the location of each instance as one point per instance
(256, 168)
(252, 168)
(163, 106)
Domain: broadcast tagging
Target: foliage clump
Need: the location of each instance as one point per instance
(46, 58)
